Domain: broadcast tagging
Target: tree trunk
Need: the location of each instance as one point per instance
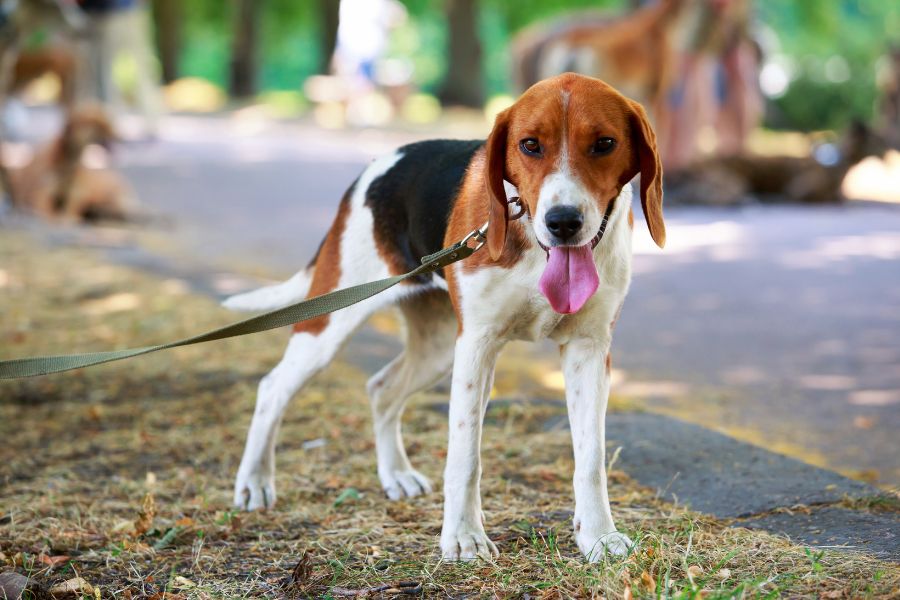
(329, 11)
(245, 27)
(464, 83)
(168, 16)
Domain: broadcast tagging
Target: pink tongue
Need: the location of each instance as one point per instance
(570, 278)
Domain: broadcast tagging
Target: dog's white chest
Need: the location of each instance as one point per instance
(508, 303)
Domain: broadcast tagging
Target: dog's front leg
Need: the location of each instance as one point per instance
(463, 536)
(587, 391)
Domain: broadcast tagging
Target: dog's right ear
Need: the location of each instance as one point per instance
(495, 173)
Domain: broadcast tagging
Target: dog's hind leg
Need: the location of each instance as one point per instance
(348, 256)
(307, 353)
(430, 332)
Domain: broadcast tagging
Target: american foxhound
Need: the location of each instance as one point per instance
(570, 146)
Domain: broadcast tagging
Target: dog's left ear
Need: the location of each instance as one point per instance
(495, 173)
(651, 173)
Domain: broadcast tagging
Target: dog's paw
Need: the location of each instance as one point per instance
(254, 491)
(594, 547)
(467, 544)
(404, 484)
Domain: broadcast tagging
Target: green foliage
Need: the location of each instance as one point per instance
(206, 49)
(818, 38)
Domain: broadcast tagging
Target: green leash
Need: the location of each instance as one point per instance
(295, 313)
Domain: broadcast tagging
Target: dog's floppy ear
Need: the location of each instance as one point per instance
(651, 173)
(495, 172)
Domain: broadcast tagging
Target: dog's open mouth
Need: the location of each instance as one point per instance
(570, 277)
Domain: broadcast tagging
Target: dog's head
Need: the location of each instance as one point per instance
(569, 145)
(85, 126)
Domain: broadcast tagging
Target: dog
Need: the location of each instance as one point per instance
(634, 51)
(815, 179)
(56, 184)
(570, 146)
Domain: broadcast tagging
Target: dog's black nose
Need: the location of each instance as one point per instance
(564, 221)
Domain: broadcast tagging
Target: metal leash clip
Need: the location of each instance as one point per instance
(479, 235)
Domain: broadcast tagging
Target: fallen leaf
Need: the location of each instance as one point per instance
(53, 561)
(76, 585)
(145, 517)
(647, 582)
(626, 593)
(182, 582)
(831, 594)
(184, 522)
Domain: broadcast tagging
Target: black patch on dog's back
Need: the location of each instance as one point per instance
(411, 202)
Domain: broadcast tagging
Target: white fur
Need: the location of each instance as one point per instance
(498, 305)
(307, 354)
(272, 296)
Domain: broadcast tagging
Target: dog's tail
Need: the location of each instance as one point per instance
(273, 296)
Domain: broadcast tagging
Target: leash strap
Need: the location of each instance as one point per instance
(295, 313)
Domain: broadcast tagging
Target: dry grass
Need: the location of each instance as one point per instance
(83, 452)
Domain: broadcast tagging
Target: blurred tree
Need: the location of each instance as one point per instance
(328, 12)
(167, 15)
(245, 19)
(464, 82)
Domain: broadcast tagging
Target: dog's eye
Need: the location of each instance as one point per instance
(531, 147)
(603, 146)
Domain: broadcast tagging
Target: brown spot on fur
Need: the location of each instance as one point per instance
(612, 324)
(327, 272)
(630, 218)
(608, 363)
(469, 213)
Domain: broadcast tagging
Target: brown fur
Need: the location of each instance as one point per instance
(594, 109)
(56, 60)
(635, 50)
(327, 273)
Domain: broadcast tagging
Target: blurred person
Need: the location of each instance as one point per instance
(888, 77)
(716, 82)
(122, 27)
(363, 32)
